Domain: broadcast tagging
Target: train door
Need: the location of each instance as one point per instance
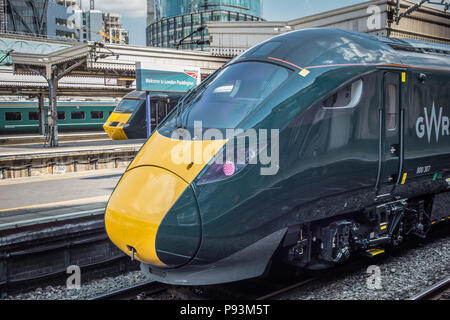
(391, 136)
(160, 111)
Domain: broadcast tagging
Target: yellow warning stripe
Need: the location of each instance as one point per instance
(375, 252)
(404, 178)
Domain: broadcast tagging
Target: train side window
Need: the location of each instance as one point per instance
(391, 107)
(96, 114)
(13, 116)
(61, 115)
(33, 116)
(77, 115)
(346, 97)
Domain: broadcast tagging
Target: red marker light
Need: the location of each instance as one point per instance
(229, 169)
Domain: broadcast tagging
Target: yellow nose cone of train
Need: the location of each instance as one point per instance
(116, 132)
(137, 207)
(148, 190)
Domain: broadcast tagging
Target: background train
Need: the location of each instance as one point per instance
(128, 121)
(23, 116)
(363, 131)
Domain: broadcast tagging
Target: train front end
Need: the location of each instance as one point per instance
(153, 214)
(177, 208)
(118, 122)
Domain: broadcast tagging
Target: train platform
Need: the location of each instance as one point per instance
(18, 161)
(52, 222)
(68, 147)
(40, 200)
(63, 137)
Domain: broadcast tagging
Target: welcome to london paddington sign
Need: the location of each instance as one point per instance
(150, 77)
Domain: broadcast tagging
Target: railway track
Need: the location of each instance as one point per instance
(286, 289)
(135, 292)
(439, 291)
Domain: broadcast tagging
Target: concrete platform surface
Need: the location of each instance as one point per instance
(81, 193)
(69, 147)
(34, 138)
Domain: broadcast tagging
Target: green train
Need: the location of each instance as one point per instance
(358, 130)
(23, 116)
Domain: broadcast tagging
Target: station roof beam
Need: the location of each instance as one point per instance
(74, 60)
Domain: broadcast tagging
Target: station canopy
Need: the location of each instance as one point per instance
(7, 46)
(80, 60)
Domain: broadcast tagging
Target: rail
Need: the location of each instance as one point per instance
(434, 292)
(131, 293)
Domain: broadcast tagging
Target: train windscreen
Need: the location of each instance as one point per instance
(128, 105)
(234, 93)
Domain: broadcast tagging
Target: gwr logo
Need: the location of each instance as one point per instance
(426, 125)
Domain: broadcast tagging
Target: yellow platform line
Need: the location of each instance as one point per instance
(61, 203)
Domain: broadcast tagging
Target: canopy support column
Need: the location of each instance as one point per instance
(52, 132)
(41, 98)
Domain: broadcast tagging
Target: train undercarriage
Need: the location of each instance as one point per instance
(320, 245)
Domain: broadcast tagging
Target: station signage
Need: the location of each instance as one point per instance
(150, 77)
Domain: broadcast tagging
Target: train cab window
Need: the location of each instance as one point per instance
(234, 93)
(96, 114)
(13, 116)
(346, 97)
(77, 115)
(61, 115)
(33, 116)
(128, 105)
(391, 107)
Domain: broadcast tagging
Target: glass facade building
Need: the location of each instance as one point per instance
(47, 18)
(28, 17)
(184, 20)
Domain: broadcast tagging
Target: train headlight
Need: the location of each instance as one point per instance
(222, 170)
(229, 168)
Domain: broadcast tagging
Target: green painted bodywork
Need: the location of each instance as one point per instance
(27, 125)
(330, 159)
(184, 221)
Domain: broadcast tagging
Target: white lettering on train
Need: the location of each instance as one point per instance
(426, 124)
